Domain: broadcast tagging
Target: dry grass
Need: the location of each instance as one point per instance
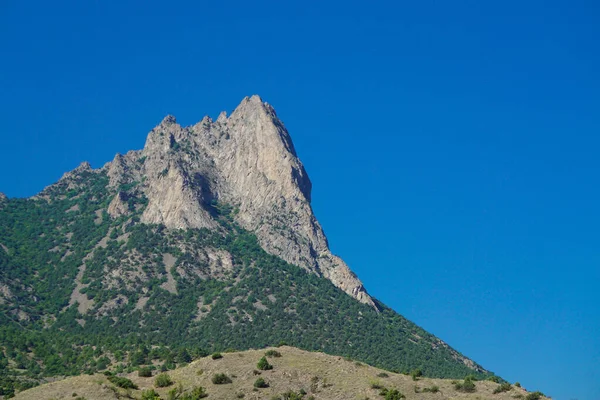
(323, 376)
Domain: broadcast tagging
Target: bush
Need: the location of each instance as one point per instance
(376, 385)
(517, 384)
(466, 386)
(163, 380)
(122, 382)
(150, 394)
(260, 383)
(216, 356)
(433, 389)
(494, 378)
(416, 374)
(534, 396)
(272, 353)
(394, 395)
(220, 379)
(145, 372)
(382, 375)
(263, 364)
(197, 393)
(505, 387)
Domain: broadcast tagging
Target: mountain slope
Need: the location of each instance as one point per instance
(202, 241)
(319, 375)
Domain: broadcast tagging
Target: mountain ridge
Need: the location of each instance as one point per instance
(180, 188)
(157, 253)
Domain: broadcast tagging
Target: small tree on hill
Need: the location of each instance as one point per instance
(263, 364)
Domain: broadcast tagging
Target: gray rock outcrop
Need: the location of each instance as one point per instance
(246, 160)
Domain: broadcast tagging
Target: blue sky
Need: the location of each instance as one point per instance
(453, 146)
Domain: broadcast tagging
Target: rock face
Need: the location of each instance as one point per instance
(246, 160)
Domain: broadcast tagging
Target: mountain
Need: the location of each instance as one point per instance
(203, 240)
(294, 372)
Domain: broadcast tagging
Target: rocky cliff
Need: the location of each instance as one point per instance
(246, 160)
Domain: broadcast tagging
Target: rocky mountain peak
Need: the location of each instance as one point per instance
(2, 197)
(246, 160)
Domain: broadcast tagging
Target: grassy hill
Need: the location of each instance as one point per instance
(294, 372)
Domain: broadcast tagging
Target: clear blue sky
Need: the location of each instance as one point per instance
(453, 146)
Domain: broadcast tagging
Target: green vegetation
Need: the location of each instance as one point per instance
(504, 387)
(163, 380)
(221, 379)
(263, 364)
(272, 353)
(467, 386)
(145, 372)
(216, 356)
(534, 396)
(416, 374)
(131, 319)
(150, 394)
(432, 389)
(122, 382)
(393, 394)
(382, 375)
(260, 383)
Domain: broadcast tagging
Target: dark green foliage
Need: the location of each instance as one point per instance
(163, 380)
(393, 394)
(504, 387)
(216, 356)
(197, 393)
(263, 364)
(290, 395)
(534, 396)
(467, 386)
(517, 384)
(272, 353)
(382, 375)
(220, 379)
(260, 383)
(432, 389)
(122, 382)
(494, 378)
(150, 394)
(416, 374)
(145, 372)
(47, 242)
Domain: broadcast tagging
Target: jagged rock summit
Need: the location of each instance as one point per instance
(246, 160)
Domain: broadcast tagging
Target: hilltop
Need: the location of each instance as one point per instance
(318, 375)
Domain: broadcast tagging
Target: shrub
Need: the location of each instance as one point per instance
(433, 389)
(220, 379)
(382, 375)
(394, 395)
(289, 395)
(197, 393)
(466, 386)
(163, 380)
(263, 364)
(260, 383)
(216, 356)
(416, 374)
(150, 394)
(145, 372)
(505, 387)
(272, 353)
(517, 384)
(494, 378)
(122, 382)
(376, 385)
(534, 396)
